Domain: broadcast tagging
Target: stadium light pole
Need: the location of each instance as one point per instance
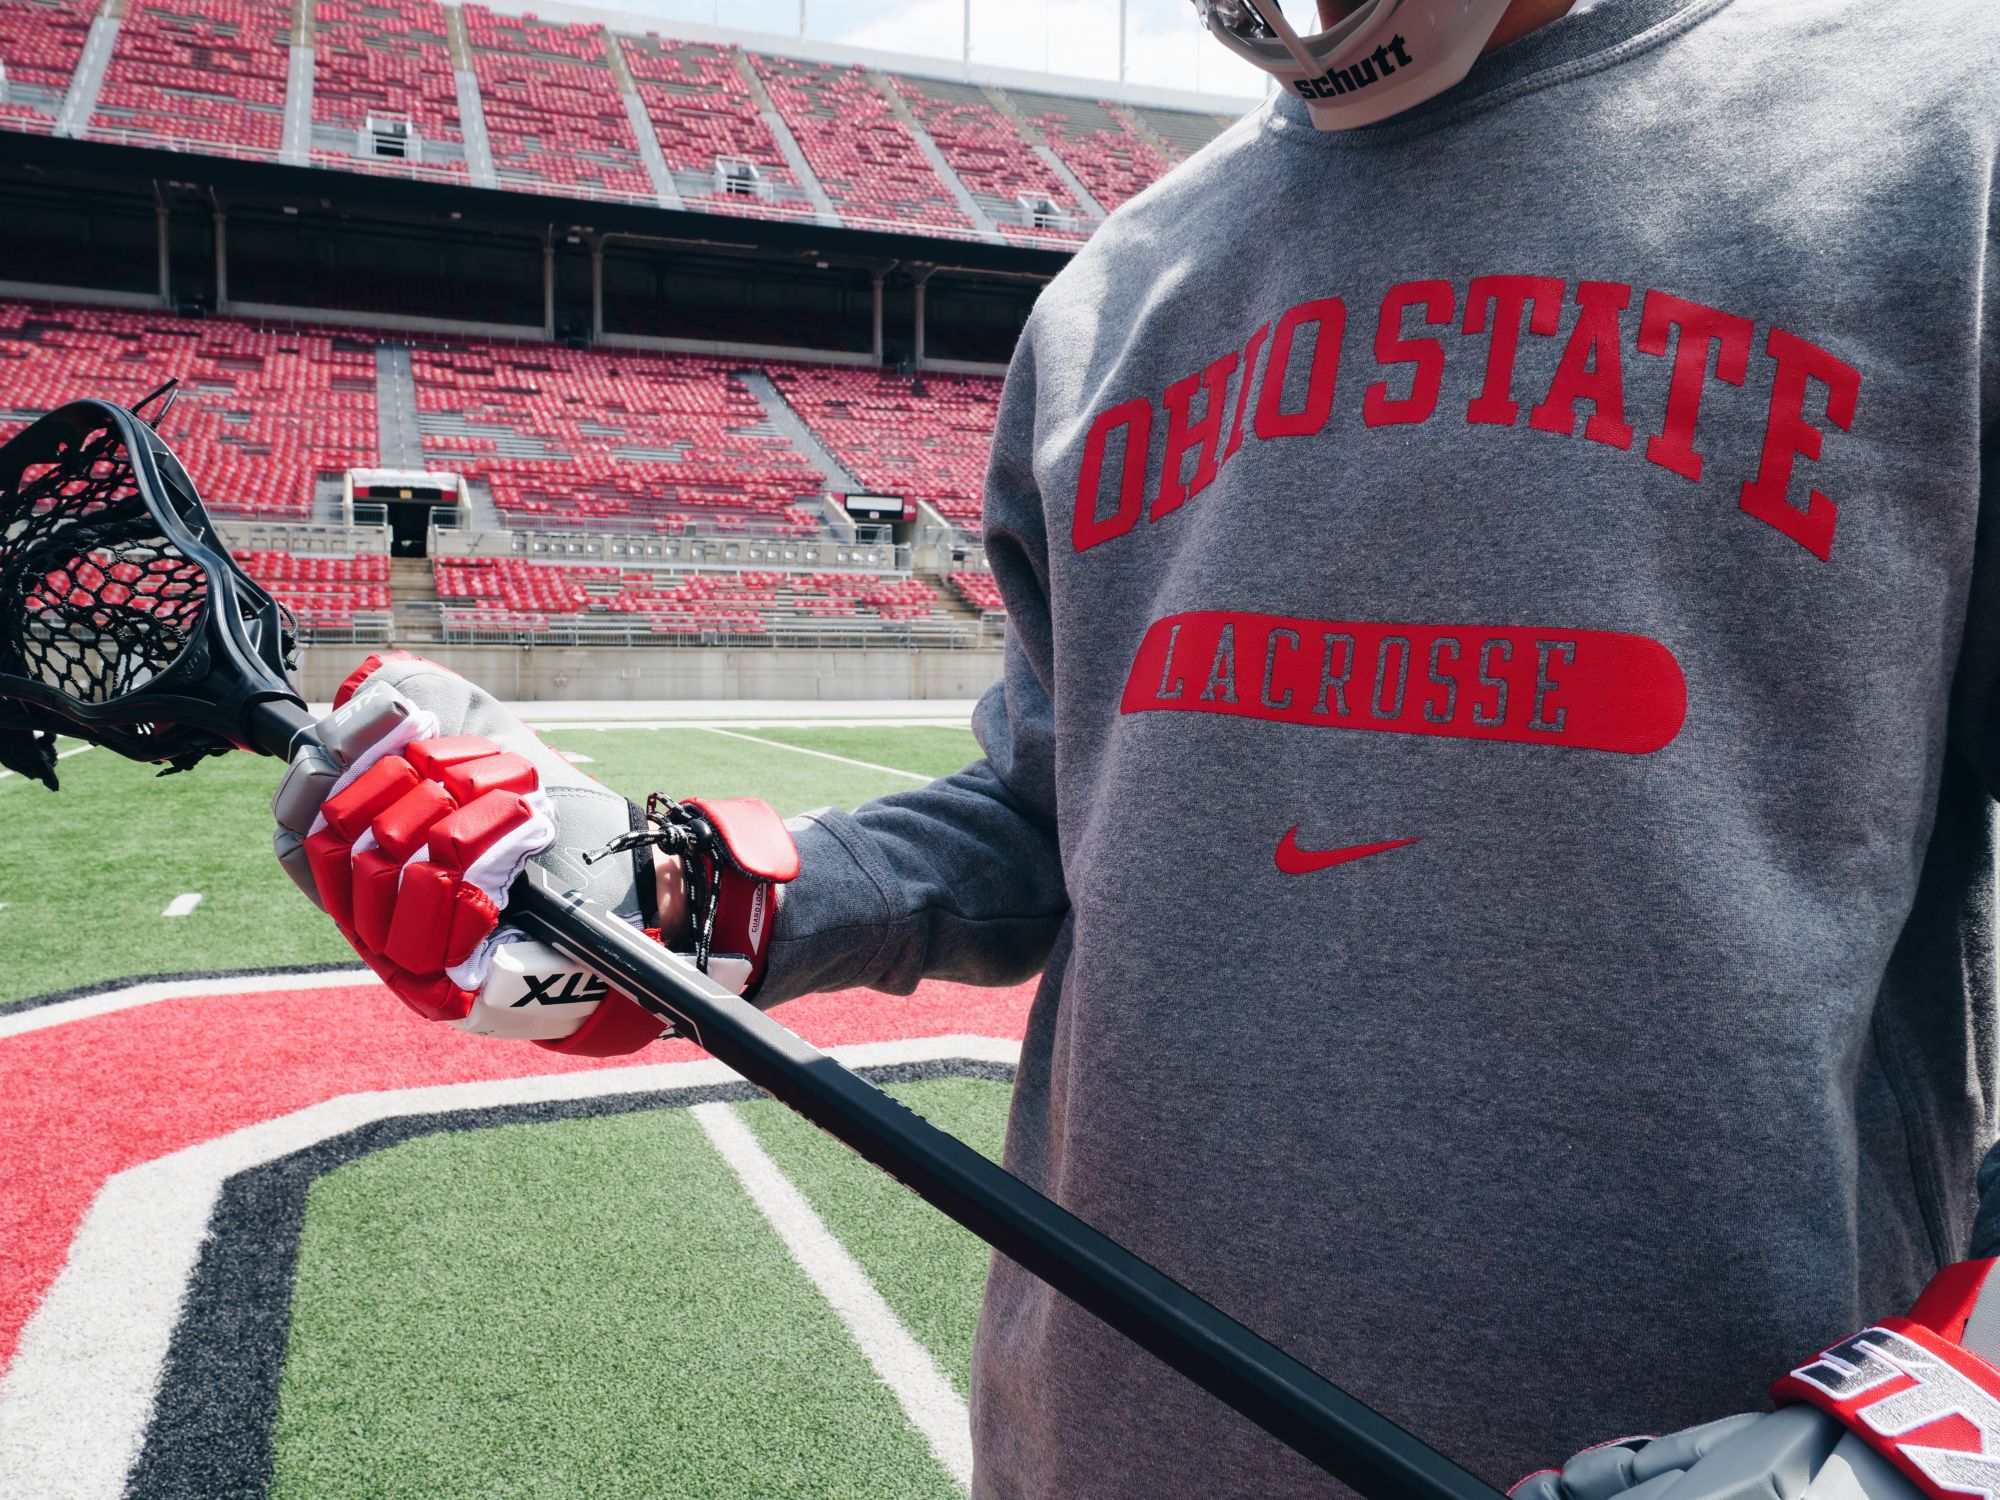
(1121, 40)
(965, 44)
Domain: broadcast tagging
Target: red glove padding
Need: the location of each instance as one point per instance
(415, 857)
(752, 851)
(1923, 1391)
(748, 851)
(420, 804)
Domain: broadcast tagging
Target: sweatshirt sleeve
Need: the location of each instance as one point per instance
(961, 879)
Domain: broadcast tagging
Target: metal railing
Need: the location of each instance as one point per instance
(380, 166)
(555, 522)
(375, 632)
(725, 550)
(468, 628)
(304, 538)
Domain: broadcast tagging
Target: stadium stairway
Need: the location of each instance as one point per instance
(956, 607)
(413, 595)
(400, 442)
(295, 143)
(471, 108)
(928, 149)
(788, 144)
(88, 80)
(794, 430)
(1143, 128)
(1044, 152)
(657, 171)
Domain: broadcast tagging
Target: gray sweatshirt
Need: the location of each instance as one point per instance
(1574, 485)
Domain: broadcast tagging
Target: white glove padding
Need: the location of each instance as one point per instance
(412, 817)
(1906, 1410)
(1794, 1454)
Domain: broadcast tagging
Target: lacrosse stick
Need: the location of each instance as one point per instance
(125, 622)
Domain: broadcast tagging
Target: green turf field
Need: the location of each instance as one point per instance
(86, 874)
(587, 1307)
(642, 1331)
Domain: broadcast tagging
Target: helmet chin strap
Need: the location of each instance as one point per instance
(1273, 16)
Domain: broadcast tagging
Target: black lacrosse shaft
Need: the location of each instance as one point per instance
(1303, 1410)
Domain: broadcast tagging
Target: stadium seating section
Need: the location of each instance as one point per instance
(385, 58)
(262, 412)
(40, 42)
(554, 116)
(1186, 133)
(979, 590)
(1113, 160)
(701, 109)
(658, 441)
(925, 440)
(864, 157)
(334, 593)
(511, 595)
(986, 152)
(199, 70)
(213, 73)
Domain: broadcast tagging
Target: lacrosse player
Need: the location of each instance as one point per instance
(1493, 766)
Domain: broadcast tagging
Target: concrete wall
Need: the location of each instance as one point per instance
(544, 673)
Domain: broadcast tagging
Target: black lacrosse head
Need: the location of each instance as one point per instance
(124, 621)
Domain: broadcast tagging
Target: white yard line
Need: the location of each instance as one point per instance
(75, 1401)
(866, 765)
(150, 992)
(902, 1364)
(577, 757)
(183, 904)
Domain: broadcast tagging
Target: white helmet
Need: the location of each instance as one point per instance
(1385, 57)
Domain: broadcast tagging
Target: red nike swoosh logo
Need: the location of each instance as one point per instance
(1293, 860)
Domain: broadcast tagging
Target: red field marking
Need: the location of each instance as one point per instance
(81, 1101)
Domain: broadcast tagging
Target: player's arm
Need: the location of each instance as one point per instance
(961, 879)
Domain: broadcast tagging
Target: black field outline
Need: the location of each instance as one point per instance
(210, 1436)
(108, 986)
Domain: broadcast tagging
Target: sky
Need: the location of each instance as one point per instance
(1165, 43)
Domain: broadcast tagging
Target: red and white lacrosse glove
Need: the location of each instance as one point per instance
(1906, 1410)
(423, 802)
(1922, 1391)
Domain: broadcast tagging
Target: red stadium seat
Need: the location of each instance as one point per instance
(40, 42)
(649, 439)
(262, 412)
(497, 593)
(554, 115)
(863, 156)
(199, 70)
(386, 57)
(1107, 155)
(930, 446)
(989, 155)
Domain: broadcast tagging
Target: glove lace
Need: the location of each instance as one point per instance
(680, 829)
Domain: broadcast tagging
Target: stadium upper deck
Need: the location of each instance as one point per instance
(597, 109)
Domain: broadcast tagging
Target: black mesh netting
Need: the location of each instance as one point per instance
(94, 602)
